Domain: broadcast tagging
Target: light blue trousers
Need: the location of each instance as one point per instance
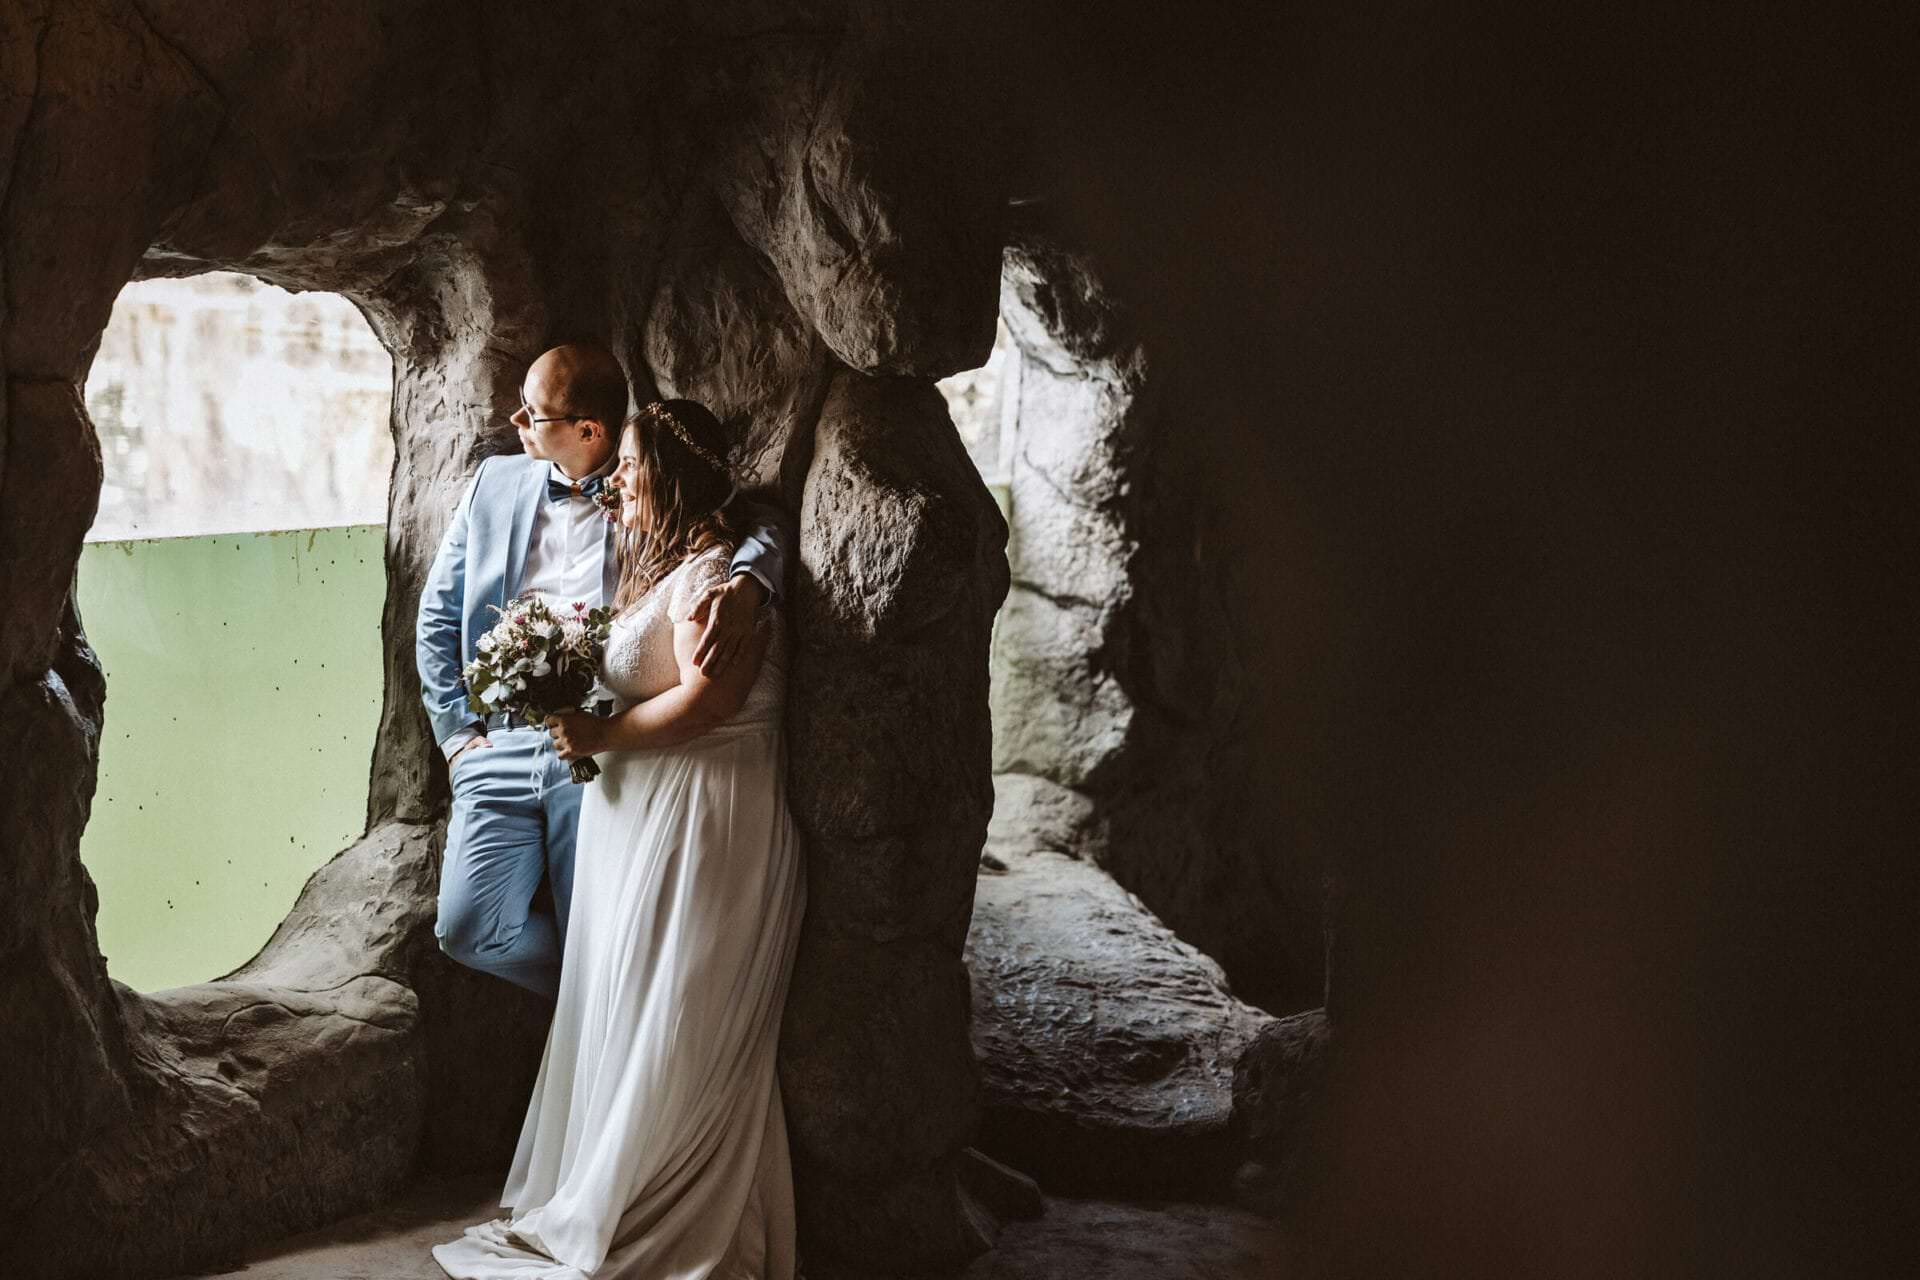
(515, 810)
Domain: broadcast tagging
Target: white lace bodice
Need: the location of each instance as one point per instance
(639, 661)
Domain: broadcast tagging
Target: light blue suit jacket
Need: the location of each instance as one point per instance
(481, 558)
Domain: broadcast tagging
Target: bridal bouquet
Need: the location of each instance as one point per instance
(536, 663)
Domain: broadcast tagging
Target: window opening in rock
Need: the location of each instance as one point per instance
(1067, 746)
(232, 586)
(983, 403)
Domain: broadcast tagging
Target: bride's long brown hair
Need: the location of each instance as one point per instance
(683, 485)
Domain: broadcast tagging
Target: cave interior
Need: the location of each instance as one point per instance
(1367, 776)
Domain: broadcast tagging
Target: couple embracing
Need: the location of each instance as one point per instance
(655, 1143)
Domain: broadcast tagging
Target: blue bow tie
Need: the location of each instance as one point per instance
(559, 490)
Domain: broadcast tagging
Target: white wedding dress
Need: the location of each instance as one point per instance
(655, 1146)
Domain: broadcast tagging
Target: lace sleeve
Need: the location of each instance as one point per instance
(707, 570)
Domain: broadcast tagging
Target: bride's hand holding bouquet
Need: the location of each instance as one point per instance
(578, 735)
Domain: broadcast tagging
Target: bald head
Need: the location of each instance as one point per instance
(580, 378)
(575, 403)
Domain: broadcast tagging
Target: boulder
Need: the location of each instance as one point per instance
(838, 158)
(301, 1087)
(1108, 1047)
(1279, 1086)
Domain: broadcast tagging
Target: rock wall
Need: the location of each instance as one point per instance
(1120, 697)
(794, 216)
(1109, 1047)
(1537, 373)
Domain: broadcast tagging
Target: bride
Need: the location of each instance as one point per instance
(655, 1145)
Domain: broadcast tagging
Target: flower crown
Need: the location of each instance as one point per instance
(659, 412)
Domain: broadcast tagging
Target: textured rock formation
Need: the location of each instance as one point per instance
(1108, 1047)
(1537, 370)
(483, 182)
(794, 216)
(902, 549)
(848, 164)
(711, 290)
(69, 1071)
(308, 1074)
(1547, 391)
(1279, 1095)
(1118, 663)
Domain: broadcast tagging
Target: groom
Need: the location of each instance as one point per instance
(528, 523)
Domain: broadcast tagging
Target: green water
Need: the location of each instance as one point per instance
(243, 695)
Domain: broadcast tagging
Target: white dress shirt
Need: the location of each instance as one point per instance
(567, 553)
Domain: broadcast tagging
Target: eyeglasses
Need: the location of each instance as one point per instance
(527, 409)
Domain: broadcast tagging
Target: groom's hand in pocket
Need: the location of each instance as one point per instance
(470, 744)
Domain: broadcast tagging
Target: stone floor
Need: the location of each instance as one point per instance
(1073, 1240)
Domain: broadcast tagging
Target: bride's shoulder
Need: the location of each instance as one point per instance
(707, 563)
(693, 576)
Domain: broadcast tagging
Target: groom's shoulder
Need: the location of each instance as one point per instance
(509, 464)
(502, 469)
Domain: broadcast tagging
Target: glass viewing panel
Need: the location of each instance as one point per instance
(232, 587)
(225, 405)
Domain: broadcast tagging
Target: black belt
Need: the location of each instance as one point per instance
(512, 720)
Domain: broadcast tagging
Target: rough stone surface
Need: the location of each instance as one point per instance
(49, 447)
(316, 1045)
(711, 290)
(70, 1067)
(342, 176)
(483, 181)
(100, 160)
(1107, 1045)
(902, 568)
(1117, 664)
(845, 165)
(1279, 1094)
